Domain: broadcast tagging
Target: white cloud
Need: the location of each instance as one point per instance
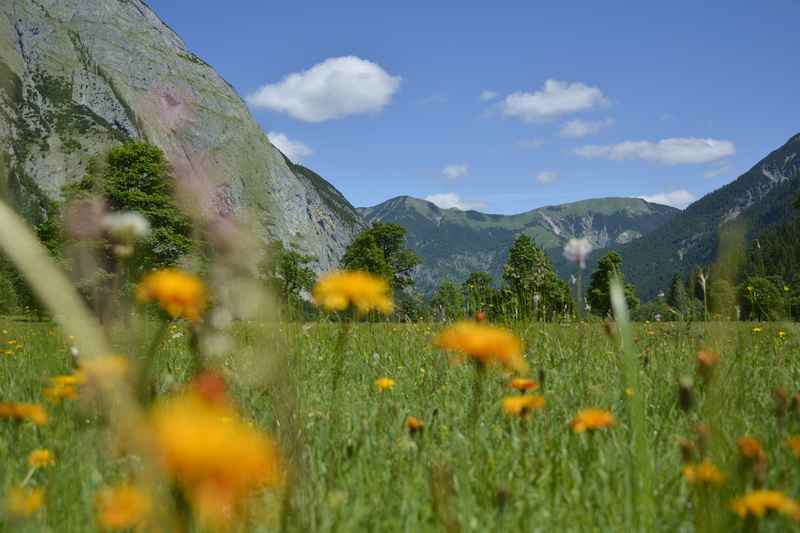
(554, 99)
(675, 151)
(294, 150)
(546, 177)
(453, 172)
(488, 95)
(680, 198)
(531, 144)
(582, 128)
(448, 200)
(335, 88)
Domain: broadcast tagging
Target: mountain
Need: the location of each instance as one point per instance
(760, 198)
(80, 76)
(452, 243)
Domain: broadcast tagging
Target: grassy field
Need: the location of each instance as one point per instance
(358, 468)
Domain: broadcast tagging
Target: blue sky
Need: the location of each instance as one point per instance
(671, 98)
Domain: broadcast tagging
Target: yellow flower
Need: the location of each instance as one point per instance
(122, 507)
(179, 294)
(751, 450)
(793, 443)
(591, 419)
(41, 458)
(758, 329)
(217, 458)
(105, 368)
(24, 411)
(23, 502)
(56, 393)
(522, 405)
(523, 384)
(384, 384)
(781, 334)
(705, 473)
(70, 380)
(337, 291)
(759, 502)
(485, 344)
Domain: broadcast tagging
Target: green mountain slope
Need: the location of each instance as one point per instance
(452, 243)
(760, 198)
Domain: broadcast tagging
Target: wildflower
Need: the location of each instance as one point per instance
(338, 291)
(793, 443)
(179, 294)
(69, 380)
(414, 425)
(57, 392)
(384, 384)
(577, 250)
(706, 362)
(485, 344)
(24, 411)
(522, 384)
(781, 334)
(758, 329)
(705, 473)
(214, 456)
(592, 419)
(522, 405)
(24, 502)
(126, 227)
(41, 458)
(750, 449)
(122, 507)
(759, 502)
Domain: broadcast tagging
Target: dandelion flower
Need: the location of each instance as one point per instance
(522, 405)
(56, 393)
(751, 450)
(414, 424)
(760, 502)
(384, 384)
(24, 502)
(523, 384)
(122, 507)
(705, 473)
(483, 343)
(592, 419)
(41, 458)
(24, 411)
(180, 294)
(781, 334)
(706, 362)
(337, 291)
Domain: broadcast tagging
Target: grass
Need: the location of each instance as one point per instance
(503, 474)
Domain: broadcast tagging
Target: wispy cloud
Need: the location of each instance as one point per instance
(675, 151)
(546, 177)
(554, 99)
(581, 128)
(293, 149)
(448, 200)
(453, 172)
(680, 198)
(335, 88)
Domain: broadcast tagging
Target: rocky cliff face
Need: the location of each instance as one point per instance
(79, 76)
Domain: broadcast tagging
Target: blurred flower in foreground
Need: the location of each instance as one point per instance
(180, 294)
(122, 507)
(24, 411)
(751, 450)
(485, 344)
(793, 443)
(522, 405)
(57, 392)
(384, 384)
(104, 368)
(705, 473)
(522, 384)
(215, 456)
(707, 361)
(126, 227)
(760, 502)
(592, 419)
(577, 250)
(23, 502)
(337, 291)
(41, 458)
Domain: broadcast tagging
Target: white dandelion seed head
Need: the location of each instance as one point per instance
(577, 250)
(126, 226)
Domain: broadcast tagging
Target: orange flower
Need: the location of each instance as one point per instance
(522, 405)
(41, 458)
(56, 393)
(24, 411)
(760, 502)
(24, 502)
(592, 419)
(123, 507)
(179, 294)
(523, 384)
(485, 344)
(750, 449)
(336, 291)
(384, 384)
(706, 362)
(414, 424)
(705, 473)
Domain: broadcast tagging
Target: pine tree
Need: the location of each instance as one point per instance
(677, 297)
(599, 294)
